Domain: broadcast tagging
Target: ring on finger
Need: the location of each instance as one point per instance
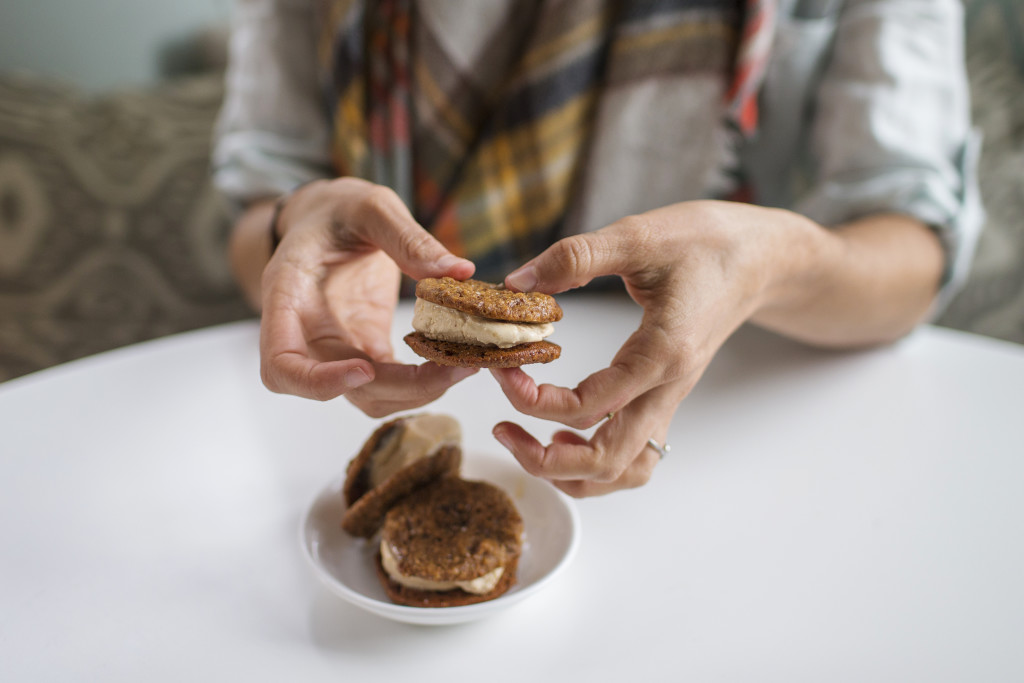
(662, 450)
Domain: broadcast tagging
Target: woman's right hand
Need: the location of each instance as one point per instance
(329, 293)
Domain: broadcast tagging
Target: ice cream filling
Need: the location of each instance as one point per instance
(478, 586)
(414, 438)
(447, 324)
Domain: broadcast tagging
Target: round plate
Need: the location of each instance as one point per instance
(346, 564)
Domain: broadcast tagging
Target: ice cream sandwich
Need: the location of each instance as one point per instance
(452, 542)
(468, 323)
(400, 456)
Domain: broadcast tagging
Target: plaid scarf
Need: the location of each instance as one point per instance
(506, 124)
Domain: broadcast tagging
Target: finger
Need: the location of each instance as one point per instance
(581, 407)
(607, 456)
(562, 459)
(287, 367)
(638, 474)
(646, 361)
(379, 216)
(404, 387)
(292, 373)
(625, 437)
(567, 437)
(576, 260)
(568, 463)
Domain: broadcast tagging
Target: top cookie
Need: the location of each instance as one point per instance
(491, 301)
(453, 530)
(400, 456)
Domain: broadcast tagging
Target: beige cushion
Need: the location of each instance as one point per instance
(110, 232)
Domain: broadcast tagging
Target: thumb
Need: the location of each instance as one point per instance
(569, 263)
(383, 220)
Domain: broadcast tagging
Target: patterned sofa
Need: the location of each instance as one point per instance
(110, 232)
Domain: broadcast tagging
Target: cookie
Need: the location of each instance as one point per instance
(490, 301)
(399, 457)
(472, 356)
(451, 530)
(403, 595)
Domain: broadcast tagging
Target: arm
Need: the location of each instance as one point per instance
(249, 249)
(700, 270)
(869, 281)
(890, 140)
(328, 293)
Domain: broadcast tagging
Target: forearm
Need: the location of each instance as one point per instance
(867, 282)
(249, 249)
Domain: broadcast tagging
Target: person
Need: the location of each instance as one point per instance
(806, 166)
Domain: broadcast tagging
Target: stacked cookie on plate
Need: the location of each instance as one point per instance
(444, 540)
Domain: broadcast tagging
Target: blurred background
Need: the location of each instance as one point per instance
(110, 232)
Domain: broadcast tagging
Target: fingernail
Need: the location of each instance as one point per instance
(502, 439)
(356, 377)
(524, 279)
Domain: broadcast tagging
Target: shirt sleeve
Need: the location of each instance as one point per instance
(272, 133)
(892, 131)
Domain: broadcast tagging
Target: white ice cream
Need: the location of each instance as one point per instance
(477, 586)
(447, 324)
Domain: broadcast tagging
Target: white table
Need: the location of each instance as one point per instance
(822, 517)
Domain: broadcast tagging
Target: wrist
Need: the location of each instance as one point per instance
(279, 221)
(796, 255)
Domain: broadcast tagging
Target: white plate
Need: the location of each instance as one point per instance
(346, 564)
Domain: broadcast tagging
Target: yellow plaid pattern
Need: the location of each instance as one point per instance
(495, 156)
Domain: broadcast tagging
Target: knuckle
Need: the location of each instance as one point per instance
(542, 466)
(576, 489)
(416, 242)
(270, 378)
(320, 394)
(687, 356)
(573, 254)
(583, 421)
(637, 225)
(375, 410)
(596, 416)
(639, 476)
(375, 202)
(638, 231)
(369, 407)
(611, 471)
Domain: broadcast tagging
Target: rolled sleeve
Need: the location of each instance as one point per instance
(273, 132)
(892, 127)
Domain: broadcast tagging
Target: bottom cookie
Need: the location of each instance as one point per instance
(469, 356)
(456, 597)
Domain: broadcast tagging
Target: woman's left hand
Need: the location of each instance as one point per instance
(699, 270)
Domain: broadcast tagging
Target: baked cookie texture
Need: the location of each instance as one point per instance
(366, 505)
(471, 356)
(490, 301)
(413, 597)
(493, 303)
(452, 530)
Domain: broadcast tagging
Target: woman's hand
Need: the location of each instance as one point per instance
(699, 270)
(329, 293)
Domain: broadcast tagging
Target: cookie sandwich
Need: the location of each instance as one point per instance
(469, 323)
(452, 542)
(399, 457)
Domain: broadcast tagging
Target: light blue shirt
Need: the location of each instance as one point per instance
(866, 109)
